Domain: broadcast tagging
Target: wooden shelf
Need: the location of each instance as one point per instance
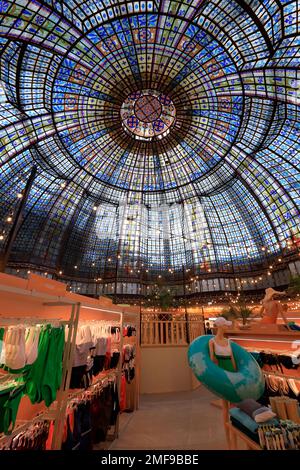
(235, 433)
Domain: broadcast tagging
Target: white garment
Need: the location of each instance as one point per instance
(222, 350)
(13, 350)
(83, 344)
(31, 344)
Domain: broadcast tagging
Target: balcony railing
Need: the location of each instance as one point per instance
(171, 332)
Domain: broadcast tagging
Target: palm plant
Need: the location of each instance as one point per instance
(229, 313)
(244, 313)
(165, 299)
(239, 310)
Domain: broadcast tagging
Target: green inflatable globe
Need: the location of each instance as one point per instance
(246, 382)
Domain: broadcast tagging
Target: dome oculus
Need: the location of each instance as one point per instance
(147, 114)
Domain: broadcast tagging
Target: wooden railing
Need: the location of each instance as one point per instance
(170, 332)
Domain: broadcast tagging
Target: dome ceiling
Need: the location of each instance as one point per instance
(165, 134)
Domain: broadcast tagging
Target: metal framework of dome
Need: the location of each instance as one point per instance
(164, 136)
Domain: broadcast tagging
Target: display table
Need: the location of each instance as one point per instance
(236, 434)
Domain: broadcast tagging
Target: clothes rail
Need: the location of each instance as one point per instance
(112, 376)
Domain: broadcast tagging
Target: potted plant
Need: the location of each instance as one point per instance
(294, 286)
(245, 314)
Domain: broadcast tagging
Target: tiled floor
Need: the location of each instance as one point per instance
(184, 420)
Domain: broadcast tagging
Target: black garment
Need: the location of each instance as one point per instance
(115, 404)
(84, 415)
(77, 377)
(131, 373)
(101, 409)
(81, 438)
(114, 360)
(72, 438)
(98, 364)
(287, 362)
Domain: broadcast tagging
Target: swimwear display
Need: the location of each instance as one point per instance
(33, 355)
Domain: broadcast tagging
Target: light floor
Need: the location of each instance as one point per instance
(184, 420)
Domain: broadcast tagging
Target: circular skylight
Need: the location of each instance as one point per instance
(147, 114)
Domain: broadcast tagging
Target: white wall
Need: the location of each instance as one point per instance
(165, 369)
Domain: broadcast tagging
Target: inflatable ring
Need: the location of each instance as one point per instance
(246, 382)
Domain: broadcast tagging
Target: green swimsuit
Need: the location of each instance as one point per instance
(9, 404)
(45, 375)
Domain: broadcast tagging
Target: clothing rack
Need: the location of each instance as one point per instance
(109, 376)
(15, 297)
(23, 425)
(133, 320)
(53, 301)
(68, 396)
(279, 374)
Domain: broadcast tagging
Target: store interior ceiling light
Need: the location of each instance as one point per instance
(164, 134)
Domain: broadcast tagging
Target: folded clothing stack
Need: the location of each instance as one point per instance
(247, 416)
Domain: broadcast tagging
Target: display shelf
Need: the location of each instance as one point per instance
(279, 374)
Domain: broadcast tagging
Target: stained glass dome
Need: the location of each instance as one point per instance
(164, 136)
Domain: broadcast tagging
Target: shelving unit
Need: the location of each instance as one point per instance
(278, 341)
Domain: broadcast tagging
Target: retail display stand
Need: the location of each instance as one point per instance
(260, 339)
(132, 319)
(20, 298)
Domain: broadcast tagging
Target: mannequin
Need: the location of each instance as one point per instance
(219, 347)
(271, 308)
